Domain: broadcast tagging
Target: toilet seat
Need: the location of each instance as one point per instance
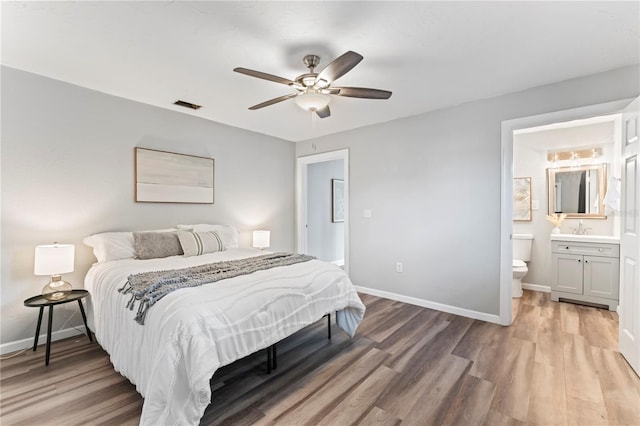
(517, 263)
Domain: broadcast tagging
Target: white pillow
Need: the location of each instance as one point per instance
(197, 243)
(109, 246)
(229, 234)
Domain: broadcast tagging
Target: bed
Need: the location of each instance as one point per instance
(190, 333)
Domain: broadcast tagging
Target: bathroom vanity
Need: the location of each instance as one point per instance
(585, 268)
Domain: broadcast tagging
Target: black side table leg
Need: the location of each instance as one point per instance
(84, 318)
(46, 362)
(329, 326)
(35, 340)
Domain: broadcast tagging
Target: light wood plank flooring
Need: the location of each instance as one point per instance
(408, 365)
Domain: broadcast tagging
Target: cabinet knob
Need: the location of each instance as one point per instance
(600, 249)
(579, 260)
(586, 261)
(567, 247)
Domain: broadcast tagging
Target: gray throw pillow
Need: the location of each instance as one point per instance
(152, 245)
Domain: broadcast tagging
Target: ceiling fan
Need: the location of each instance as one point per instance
(314, 90)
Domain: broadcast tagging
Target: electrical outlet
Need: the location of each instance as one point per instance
(398, 266)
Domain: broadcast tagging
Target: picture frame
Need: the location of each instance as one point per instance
(169, 177)
(522, 199)
(337, 200)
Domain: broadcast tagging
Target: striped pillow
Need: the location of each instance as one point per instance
(197, 243)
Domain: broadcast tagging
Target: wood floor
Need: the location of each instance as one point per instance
(408, 365)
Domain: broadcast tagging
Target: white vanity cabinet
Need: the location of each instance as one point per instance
(585, 271)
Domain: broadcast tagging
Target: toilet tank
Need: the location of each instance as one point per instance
(522, 246)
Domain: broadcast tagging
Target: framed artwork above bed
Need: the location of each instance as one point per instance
(167, 177)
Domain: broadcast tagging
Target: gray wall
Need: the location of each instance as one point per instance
(325, 239)
(432, 182)
(67, 172)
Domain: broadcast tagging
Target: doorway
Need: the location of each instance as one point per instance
(322, 206)
(506, 209)
(581, 157)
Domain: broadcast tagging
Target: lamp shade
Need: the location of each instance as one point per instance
(261, 239)
(54, 259)
(312, 101)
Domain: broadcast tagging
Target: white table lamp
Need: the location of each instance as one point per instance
(54, 259)
(261, 239)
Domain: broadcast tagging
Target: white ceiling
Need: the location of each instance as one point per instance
(429, 54)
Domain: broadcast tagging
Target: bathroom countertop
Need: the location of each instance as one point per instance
(586, 238)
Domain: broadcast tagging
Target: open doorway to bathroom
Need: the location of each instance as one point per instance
(605, 271)
(531, 128)
(581, 155)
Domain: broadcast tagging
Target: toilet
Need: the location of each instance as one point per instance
(521, 254)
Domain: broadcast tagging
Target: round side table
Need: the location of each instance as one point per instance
(40, 302)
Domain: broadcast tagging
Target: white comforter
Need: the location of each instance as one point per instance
(192, 332)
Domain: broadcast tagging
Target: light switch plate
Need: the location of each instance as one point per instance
(535, 204)
(367, 213)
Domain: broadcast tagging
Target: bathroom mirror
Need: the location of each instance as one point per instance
(578, 191)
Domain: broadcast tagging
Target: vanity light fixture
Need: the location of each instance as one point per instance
(574, 155)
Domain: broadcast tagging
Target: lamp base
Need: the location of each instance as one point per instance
(56, 289)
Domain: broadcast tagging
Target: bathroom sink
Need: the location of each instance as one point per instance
(586, 238)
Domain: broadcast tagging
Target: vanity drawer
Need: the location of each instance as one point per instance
(589, 249)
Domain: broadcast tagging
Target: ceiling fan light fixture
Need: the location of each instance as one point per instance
(322, 83)
(313, 91)
(309, 80)
(312, 101)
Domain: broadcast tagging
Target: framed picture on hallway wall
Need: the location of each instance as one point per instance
(167, 177)
(337, 200)
(522, 199)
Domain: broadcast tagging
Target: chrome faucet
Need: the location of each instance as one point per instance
(580, 230)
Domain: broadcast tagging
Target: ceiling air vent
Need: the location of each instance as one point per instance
(187, 104)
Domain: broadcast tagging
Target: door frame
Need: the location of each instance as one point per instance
(302, 165)
(506, 184)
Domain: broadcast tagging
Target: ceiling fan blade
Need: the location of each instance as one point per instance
(362, 92)
(264, 76)
(339, 67)
(324, 112)
(273, 101)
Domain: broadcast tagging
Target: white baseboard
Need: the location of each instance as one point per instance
(536, 287)
(431, 305)
(6, 348)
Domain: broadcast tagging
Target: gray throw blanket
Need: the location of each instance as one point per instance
(149, 287)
